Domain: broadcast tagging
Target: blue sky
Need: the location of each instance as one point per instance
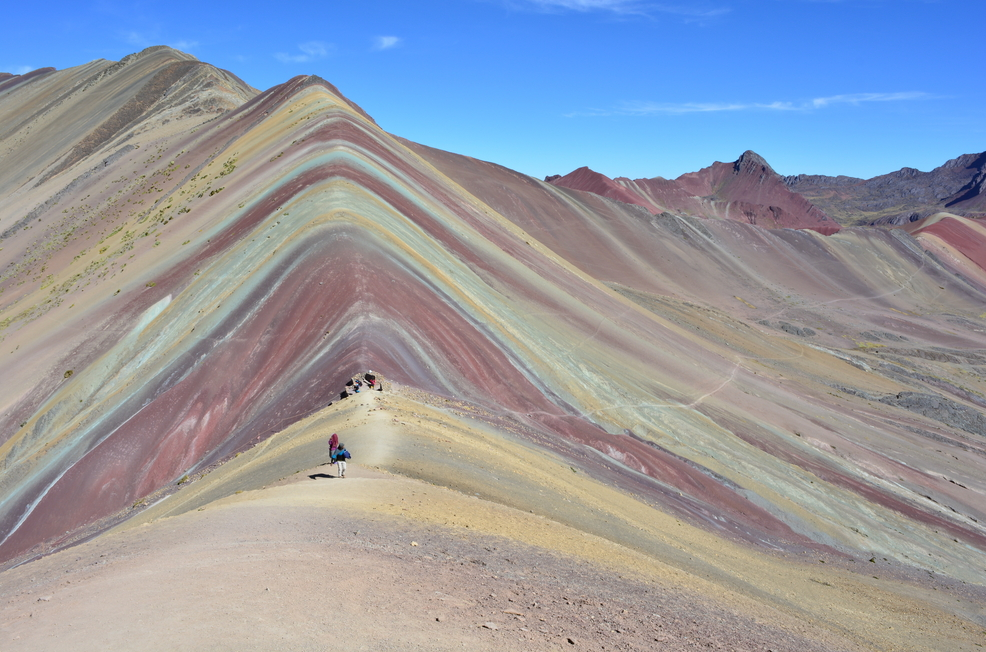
(627, 87)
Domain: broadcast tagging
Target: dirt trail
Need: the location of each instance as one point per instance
(276, 568)
(496, 545)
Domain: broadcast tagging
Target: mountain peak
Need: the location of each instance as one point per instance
(158, 50)
(967, 161)
(748, 190)
(751, 160)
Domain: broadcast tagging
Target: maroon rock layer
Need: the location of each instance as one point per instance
(747, 190)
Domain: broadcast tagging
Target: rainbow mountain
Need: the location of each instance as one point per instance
(191, 270)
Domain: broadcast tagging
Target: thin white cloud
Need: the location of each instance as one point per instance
(141, 40)
(19, 70)
(184, 45)
(136, 39)
(310, 51)
(619, 6)
(386, 42)
(859, 98)
(778, 106)
(688, 11)
(647, 108)
(667, 108)
(639, 7)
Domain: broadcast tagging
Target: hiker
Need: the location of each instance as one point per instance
(370, 379)
(339, 457)
(357, 385)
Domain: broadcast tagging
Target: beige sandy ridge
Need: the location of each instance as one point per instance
(445, 534)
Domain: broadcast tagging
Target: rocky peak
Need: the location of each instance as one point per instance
(810, 180)
(967, 161)
(958, 186)
(905, 173)
(752, 162)
(748, 190)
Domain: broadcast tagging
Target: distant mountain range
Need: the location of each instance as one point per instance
(749, 190)
(907, 195)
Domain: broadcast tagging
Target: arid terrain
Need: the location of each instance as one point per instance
(619, 415)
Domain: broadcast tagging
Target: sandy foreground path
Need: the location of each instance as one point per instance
(268, 552)
(298, 569)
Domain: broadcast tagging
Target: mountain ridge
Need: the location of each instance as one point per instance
(907, 195)
(747, 190)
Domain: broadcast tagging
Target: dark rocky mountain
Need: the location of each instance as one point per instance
(907, 195)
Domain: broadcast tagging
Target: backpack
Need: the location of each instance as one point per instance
(342, 454)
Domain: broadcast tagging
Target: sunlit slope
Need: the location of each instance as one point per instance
(338, 251)
(213, 286)
(351, 253)
(454, 471)
(958, 240)
(51, 122)
(857, 358)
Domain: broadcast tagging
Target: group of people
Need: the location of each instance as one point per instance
(358, 382)
(337, 450)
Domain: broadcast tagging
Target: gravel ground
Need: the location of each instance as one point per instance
(432, 543)
(275, 574)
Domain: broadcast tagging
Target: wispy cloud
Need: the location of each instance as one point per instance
(310, 51)
(136, 39)
(668, 108)
(859, 98)
(183, 45)
(688, 11)
(647, 108)
(639, 7)
(618, 6)
(19, 70)
(141, 40)
(386, 42)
